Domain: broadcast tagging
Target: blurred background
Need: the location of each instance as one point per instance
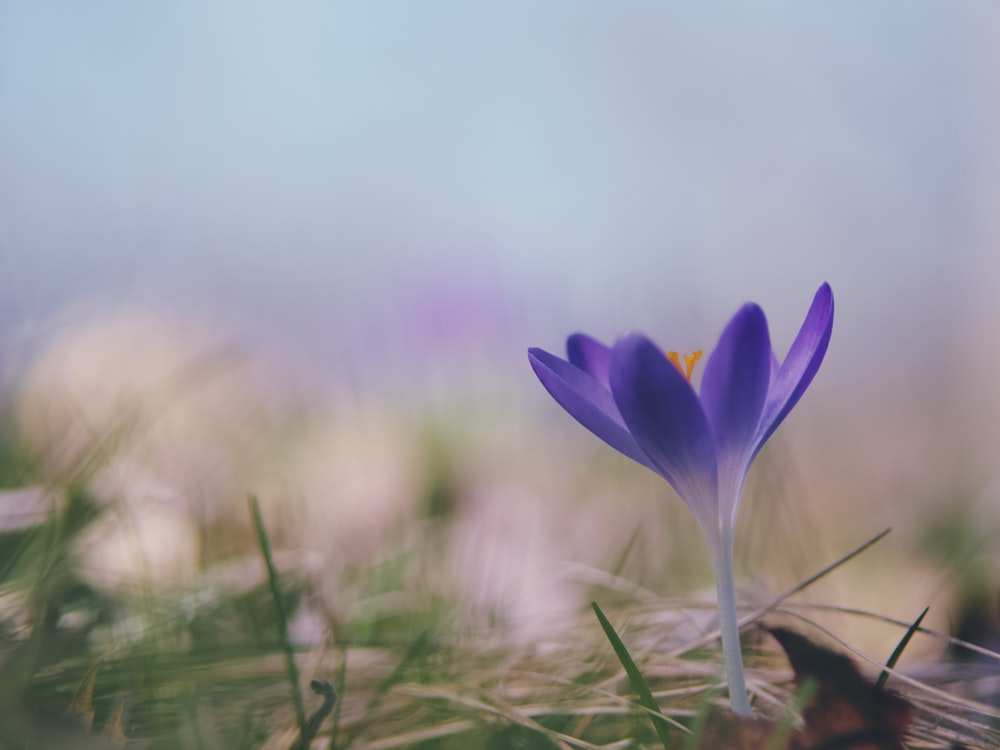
(301, 250)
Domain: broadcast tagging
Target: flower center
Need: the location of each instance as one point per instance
(690, 360)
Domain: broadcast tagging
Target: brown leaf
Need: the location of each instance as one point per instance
(725, 730)
(113, 729)
(81, 708)
(844, 712)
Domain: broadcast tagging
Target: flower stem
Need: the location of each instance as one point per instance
(722, 561)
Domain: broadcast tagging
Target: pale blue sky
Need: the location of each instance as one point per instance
(333, 168)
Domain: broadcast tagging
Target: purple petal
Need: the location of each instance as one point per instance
(735, 384)
(800, 366)
(665, 417)
(775, 366)
(587, 401)
(589, 355)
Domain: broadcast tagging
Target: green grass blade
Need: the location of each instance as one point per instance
(784, 729)
(341, 688)
(418, 649)
(275, 586)
(635, 677)
(898, 651)
(700, 720)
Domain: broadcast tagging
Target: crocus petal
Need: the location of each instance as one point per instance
(800, 366)
(589, 355)
(735, 384)
(587, 401)
(665, 418)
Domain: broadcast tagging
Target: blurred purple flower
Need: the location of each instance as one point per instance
(637, 399)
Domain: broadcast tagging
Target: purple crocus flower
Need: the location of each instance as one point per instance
(637, 399)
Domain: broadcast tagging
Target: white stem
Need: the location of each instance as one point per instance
(722, 561)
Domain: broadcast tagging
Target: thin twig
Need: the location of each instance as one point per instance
(329, 698)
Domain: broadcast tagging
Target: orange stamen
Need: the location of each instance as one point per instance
(690, 360)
